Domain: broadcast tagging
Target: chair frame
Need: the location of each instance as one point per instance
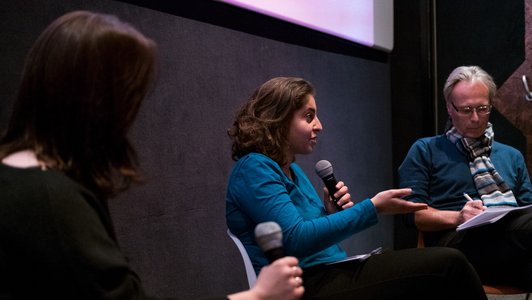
(488, 289)
(250, 271)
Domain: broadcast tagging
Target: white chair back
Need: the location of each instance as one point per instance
(250, 271)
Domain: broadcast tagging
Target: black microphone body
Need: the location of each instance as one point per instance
(274, 254)
(324, 169)
(269, 236)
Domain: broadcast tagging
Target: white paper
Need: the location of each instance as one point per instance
(359, 256)
(490, 215)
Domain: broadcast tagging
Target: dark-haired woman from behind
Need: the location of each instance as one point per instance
(66, 151)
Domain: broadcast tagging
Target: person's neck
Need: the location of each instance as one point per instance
(286, 170)
(286, 166)
(22, 159)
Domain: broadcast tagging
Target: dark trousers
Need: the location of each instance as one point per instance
(500, 252)
(428, 273)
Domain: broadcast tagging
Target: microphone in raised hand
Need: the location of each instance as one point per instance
(324, 170)
(269, 236)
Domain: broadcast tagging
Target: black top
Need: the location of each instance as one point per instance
(58, 241)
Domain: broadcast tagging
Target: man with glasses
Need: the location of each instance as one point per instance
(466, 162)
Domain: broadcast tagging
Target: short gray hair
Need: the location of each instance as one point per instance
(470, 74)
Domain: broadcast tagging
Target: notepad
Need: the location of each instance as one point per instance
(360, 257)
(491, 215)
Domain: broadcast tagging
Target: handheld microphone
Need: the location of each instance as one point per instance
(324, 169)
(270, 239)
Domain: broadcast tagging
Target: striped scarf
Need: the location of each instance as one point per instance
(490, 185)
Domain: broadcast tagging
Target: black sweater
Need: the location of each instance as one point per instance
(58, 241)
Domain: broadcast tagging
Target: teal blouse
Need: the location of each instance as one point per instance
(258, 191)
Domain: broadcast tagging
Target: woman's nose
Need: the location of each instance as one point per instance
(317, 125)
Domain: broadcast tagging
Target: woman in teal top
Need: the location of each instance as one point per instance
(280, 121)
(258, 188)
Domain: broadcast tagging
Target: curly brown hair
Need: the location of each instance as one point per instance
(261, 125)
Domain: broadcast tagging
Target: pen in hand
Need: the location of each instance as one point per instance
(467, 197)
(471, 199)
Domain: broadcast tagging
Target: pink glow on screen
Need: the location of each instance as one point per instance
(348, 19)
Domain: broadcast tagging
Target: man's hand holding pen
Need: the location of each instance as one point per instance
(470, 209)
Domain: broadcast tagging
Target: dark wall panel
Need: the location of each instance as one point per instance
(489, 34)
(412, 90)
(173, 226)
(434, 37)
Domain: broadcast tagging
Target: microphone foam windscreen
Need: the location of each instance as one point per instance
(269, 236)
(324, 168)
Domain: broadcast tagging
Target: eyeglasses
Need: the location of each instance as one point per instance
(468, 110)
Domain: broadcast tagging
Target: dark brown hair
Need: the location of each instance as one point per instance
(261, 125)
(83, 83)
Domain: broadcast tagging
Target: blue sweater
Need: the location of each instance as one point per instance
(258, 191)
(438, 173)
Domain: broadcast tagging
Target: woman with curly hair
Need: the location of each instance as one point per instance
(277, 123)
